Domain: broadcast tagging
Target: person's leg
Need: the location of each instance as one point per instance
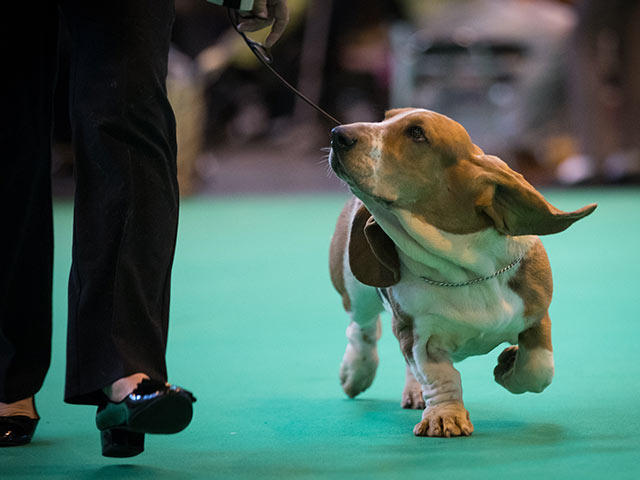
(126, 205)
(26, 245)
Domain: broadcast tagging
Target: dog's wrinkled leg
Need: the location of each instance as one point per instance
(360, 360)
(527, 367)
(444, 415)
(412, 393)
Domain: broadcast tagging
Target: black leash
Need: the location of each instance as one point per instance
(262, 54)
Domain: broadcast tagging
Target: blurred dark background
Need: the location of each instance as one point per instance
(552, 87)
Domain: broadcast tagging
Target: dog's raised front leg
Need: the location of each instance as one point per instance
(528, 367)
(444, 415)
(360, 361)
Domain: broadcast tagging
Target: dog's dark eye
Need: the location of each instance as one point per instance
(416, 134)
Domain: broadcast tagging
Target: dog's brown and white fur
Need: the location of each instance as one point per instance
(429, 203)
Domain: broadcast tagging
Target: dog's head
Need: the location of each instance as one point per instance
(425, 163)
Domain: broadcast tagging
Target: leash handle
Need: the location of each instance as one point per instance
(263, 55)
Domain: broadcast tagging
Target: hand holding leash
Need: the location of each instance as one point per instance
(263, 14)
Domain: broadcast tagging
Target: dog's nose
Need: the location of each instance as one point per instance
(341, 139)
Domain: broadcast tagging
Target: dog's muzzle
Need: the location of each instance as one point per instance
(342, 141)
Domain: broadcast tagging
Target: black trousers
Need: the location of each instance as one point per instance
(126, 200)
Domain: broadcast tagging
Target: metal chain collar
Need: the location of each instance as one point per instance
(475, 280)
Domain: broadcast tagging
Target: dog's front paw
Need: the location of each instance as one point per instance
(358, 369)
(531, 373)
(506, 361)
(444, 420)
(412, 395)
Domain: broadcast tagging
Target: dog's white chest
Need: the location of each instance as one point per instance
(463, 321)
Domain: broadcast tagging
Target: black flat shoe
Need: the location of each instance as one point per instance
(153, 407)
(16, 430)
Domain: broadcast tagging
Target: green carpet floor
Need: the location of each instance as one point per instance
(257, 333)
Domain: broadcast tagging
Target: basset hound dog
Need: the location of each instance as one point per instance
(445, 237)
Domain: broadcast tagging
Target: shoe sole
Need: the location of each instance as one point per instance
(169, 414)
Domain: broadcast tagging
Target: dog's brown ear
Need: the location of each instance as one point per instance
(373, 257)
(516, 208)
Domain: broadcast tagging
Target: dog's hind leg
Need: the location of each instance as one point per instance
(360, 360)
(403, 329)
(412, 393)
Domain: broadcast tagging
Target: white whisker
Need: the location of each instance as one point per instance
(328, 171)
(323, 160)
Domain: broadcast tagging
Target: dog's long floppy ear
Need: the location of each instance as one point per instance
(373, 257)
(516, 208)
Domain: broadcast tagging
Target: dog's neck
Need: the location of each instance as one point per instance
(430, 252)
